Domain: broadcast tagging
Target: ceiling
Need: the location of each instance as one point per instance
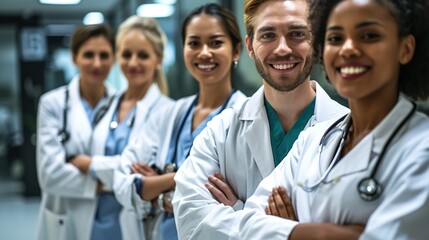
(27, 8)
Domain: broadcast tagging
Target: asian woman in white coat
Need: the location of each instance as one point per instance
(363, 175)
(212, 47)
(65, 122)
(140, 46)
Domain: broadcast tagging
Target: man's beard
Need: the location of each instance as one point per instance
(284, 86)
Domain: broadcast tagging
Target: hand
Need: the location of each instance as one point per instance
(280, 205)
(81, 162)
(143, 169)
(100, 186)
(221, 190)
(165, 199)
(168, 197)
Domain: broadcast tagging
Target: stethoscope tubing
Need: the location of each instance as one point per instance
(368, 193)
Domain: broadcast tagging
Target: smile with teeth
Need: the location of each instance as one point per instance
(206, 66)
(283, 66)
(352, 70)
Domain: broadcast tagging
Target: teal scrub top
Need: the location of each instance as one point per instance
(282, 141)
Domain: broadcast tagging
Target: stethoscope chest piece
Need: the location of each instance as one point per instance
(113, 125)
(369, 189)
(63, 136)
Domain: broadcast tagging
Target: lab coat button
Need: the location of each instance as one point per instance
(61, 222)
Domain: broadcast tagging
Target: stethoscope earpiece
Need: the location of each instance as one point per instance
(369, 189)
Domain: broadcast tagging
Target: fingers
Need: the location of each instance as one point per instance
(279, 204)
(222, 184)
(221, 190)
(287, 202)
(217, 194)
(272, 208)
(143, 169)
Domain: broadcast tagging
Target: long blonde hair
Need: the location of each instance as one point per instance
(154, 33)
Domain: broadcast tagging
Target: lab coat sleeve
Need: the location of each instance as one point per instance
(55, 175)
(144, 150)
(104, 167)
(404, 211)
(198, 215)
(194, 206)
(252, 222)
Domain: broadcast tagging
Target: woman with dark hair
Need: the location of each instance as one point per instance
(212, 46)
(364, 174)
(66, 119)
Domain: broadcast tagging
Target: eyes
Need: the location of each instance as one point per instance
(91, 54)
(296, 35)
(142, 55)
(336, 38)
(194, 44)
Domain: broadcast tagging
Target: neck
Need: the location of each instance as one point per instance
(290, 105)
(134, 93)
(91, 93)
(213, 96)
(366, 115)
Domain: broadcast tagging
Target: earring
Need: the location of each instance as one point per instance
(235, 64)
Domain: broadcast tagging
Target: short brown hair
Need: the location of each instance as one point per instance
(84, 32)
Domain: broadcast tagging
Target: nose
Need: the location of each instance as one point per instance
(282, 48)
(133, 60)
(349, 49)
(205, 52)
(97, 61)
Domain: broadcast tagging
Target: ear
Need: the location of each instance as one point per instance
(249, 47)
(237, 51)
(406, 50)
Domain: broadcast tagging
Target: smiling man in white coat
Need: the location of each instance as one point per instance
(244, 144)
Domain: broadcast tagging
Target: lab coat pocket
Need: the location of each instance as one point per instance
(56, 225)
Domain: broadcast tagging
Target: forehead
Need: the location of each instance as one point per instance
(281, 14)
(96, 43)
(356, 11)
(204, 24)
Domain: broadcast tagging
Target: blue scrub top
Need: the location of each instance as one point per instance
(106, 222)
(282, 141)
(185, 138)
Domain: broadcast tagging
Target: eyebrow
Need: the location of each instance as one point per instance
(293, 27)
(211, 37)
(360, 25)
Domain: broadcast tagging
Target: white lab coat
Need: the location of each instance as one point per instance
(152, 148)
(68, 196)
(236, 144)
(400, 213)
(104, 166)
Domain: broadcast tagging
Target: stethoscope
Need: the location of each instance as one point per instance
(63, 135)
(172, 166)
(369, 188)
(130, 122)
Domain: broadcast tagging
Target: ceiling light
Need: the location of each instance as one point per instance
(166, 1)
(93, 18)
(60, 2)
(155, 10)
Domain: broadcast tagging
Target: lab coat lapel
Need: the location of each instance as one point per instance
(258, 134)
(370, 147)
(78, 119)
(144, 108)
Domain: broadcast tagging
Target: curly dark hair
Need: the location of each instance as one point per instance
(412, 17)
